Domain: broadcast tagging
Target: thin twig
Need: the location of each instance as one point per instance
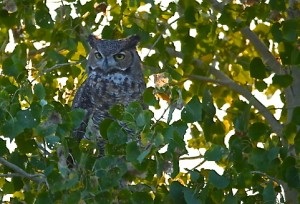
(55, 67)
(191, 158)
(208, 79)
(38, 178)
(198, 165)
(160, 36)
(279, 182)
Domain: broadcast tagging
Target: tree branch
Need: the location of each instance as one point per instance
(38, 178)
(267, 57)
(224, 80)
(191, 157)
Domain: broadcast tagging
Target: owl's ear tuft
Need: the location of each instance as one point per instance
(92, 40)
(132, 41)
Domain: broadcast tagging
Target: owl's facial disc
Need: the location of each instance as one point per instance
(110, 63)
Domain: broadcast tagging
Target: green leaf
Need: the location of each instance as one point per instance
(217, 180)
(77, 116)
(259, 159)
(26, 119)
(231, 199)
(297, 142)
(292, 177)
(52, 140)
(176, 192)
(43, 198)
(103, 127)
(141, 198)
(116, 134)
(257, 131)
(289, 55)
(189, 196)
(44, 130)
(43, 17)
(260, 85)
(241, 121)
(277, 5)
(290, 132)
(257, 68)
(8, 188)
(132, 151)
(149, 98)
(269, 194)
(11, 128)
(117, 111)
(289, 33)
(208, 105)
(196, 176)
(73, 197)
(283, 81)
(192, 112)
(39, 91)
(125, 195)
(276, 32)
(144, 118)
(215, 153)
(143, 155)
(26, 145)
(3, 148)
(132, 111)
(296, 115)
(9, 68)
(190, 13)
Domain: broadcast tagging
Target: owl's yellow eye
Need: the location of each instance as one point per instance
(98, 55)
(119, 56)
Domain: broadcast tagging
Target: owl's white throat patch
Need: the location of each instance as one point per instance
(118, 78)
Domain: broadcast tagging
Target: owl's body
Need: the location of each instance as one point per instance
(114, 77)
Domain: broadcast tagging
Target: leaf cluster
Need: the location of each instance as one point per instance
(205, 69)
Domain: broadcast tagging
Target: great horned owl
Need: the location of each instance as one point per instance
(114, 77)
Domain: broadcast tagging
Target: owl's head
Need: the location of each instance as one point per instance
(111, 56)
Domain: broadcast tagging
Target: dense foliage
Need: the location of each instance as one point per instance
(204, 57)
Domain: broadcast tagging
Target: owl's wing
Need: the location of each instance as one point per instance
(82, 100)
(82, 97)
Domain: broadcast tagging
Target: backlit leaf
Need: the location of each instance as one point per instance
(282, 80)
(257, 68)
